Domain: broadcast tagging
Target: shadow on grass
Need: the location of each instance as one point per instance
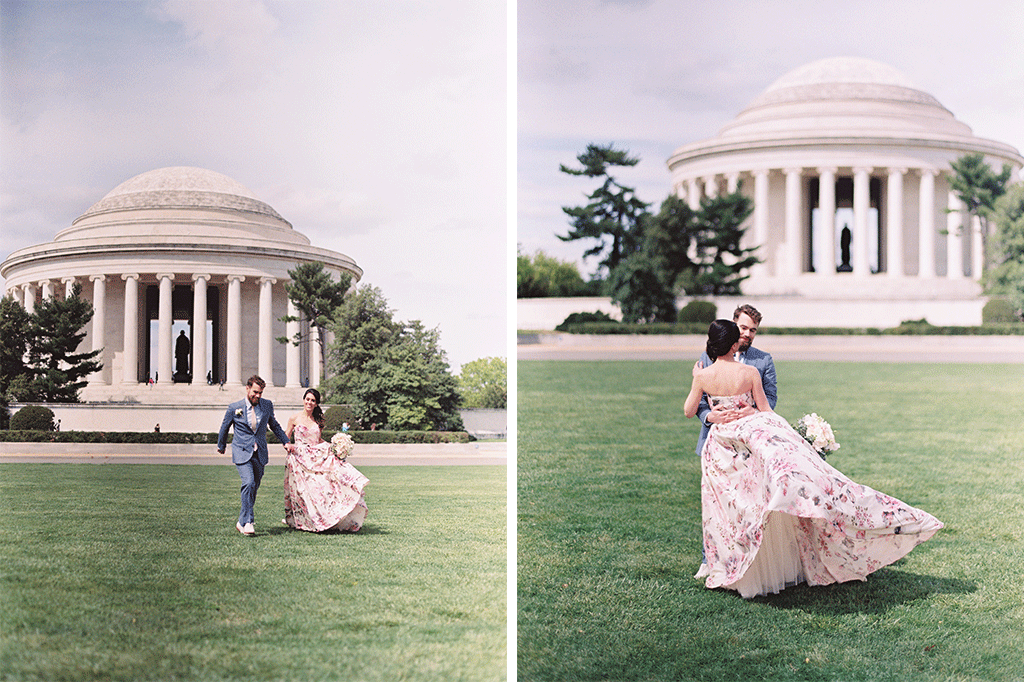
(883, 590)
(365, 530)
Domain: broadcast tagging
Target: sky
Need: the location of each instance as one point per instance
(377, 129)
(652, 75)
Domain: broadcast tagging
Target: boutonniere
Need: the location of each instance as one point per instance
(238, 412)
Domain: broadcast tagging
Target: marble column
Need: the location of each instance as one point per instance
(894, 223)
(955, 233)
(314, 356)
(99, 321)
(30, 297)
(861, 208)
(827, 220)
(711, 186)
(732, 182)
(199, 341)
(18, 294)
(69, 285)
(130, 363)
(761, 221)
(977, 249)
(693, 193)
(165, 322)
(794, 239)
(926, 225)
(293, 359)
(47, 287)
(266, 337)
(234, 330)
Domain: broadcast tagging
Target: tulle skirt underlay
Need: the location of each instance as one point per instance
(777, 564)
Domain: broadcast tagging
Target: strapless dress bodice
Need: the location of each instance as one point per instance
(733, 402)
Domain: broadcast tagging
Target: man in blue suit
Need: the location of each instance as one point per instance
(748, 319)
(250, 418)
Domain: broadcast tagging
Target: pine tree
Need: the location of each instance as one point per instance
(722, 261)
(979, 188)
(613, 211)
(317, 296)
(56, 330)
(15, 375)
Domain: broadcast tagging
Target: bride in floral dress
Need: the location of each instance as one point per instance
(774, 512)
(322, 491)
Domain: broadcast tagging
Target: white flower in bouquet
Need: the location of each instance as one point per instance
(342, 445)
(818, 433)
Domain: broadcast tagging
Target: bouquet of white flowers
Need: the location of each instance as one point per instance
(342, 445)
(818, 433)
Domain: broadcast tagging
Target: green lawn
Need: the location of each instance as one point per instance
(136, 572)
(609, 519)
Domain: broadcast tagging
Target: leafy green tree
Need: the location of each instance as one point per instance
(362, 325)
(647, 282)
(1007, 274)
(392, 373)
(543, 275)
(15, 375)
(55, 332)
(484, 383)
(412, 387)
(979, 188)
(642, 294)
(317, 296)
(613, 212)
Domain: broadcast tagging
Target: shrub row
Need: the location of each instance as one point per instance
(364, 437)
(909, 327)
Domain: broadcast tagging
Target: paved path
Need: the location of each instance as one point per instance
(953, 349)
(445, 454)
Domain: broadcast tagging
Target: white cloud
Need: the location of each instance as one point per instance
(652, 76)
(374, 128)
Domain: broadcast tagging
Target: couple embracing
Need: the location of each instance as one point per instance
(322, 491)
(774, 512)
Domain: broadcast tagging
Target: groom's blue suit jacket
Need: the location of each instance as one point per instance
(755, 358)
(242, 448)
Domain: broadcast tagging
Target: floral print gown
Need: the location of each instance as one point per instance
(776, 514)
(320, 491)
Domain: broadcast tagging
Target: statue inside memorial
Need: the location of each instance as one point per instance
(844, 245)
(181, 349)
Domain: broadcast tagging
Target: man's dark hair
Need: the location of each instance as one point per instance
(255, 379)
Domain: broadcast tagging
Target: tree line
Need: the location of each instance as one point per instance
(393, 374)
(646, 259)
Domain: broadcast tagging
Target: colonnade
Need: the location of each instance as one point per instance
(26, 295)
(792, 232)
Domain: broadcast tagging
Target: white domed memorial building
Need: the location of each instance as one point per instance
(848, 166)
(185, 269)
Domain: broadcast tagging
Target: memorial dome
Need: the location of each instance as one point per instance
(181, 187)
(185, 248)
(842, 96)
(848, 167)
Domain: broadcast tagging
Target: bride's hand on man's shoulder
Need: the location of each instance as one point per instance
(697, 367)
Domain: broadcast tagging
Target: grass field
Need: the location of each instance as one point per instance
(609, 530)
(136, 572)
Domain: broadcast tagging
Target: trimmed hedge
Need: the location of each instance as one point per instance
(33, 418)
(908, 327)
(173, 438)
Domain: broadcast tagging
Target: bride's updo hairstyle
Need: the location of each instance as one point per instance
(318, 414)
(722, 336)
